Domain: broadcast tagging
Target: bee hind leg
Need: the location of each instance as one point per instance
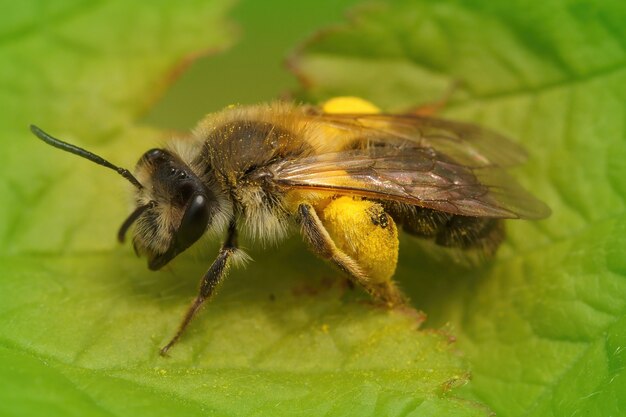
(317, 236)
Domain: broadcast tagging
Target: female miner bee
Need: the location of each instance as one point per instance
(347, 180)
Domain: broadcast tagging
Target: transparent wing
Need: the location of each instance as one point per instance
(467, 144)
(414, 175)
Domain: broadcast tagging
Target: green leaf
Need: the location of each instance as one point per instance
(544, 325)
(81, 319)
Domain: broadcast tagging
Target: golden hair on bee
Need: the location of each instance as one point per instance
(348, 177)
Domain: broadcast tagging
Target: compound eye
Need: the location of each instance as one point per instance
(194, 222)
(154, 155)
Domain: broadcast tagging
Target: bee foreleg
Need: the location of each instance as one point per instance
(320, 241)
(210, 281)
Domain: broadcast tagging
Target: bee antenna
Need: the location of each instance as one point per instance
(57, 143)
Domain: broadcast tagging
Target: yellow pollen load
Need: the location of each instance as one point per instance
(362, 230)
(339, 105)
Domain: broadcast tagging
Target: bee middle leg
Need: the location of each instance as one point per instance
(321, 243)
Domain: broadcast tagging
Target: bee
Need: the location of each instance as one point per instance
(349, 181)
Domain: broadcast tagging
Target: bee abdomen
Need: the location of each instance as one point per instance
(449, 230)
(472, 233)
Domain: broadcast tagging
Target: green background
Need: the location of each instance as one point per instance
(252, 71)
(538, 331)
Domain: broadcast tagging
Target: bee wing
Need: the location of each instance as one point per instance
(414, 175)
(466, 143)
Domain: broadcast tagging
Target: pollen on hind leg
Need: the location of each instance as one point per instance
(363, 230)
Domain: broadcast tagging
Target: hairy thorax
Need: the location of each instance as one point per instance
(238, 147)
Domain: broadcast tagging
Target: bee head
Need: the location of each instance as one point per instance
(174, 206)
